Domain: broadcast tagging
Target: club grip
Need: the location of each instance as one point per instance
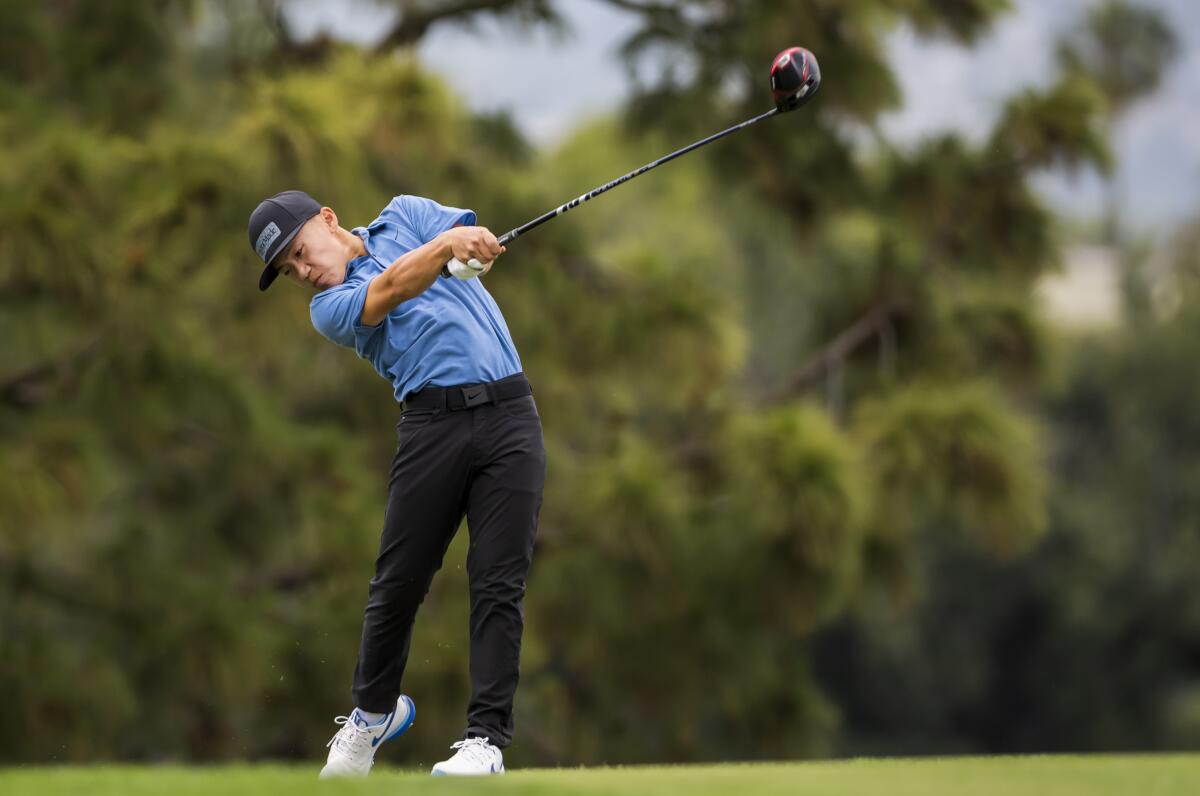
(457, 268)
(504, 240)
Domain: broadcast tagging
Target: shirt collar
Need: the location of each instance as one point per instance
(357, 261)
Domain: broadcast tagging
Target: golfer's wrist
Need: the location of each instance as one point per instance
(441, 245)
(445, 253)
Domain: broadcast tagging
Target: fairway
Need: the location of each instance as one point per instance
(985, 776)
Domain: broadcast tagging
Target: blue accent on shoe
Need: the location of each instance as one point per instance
(361, 720)
(378, 739)
(402, 727)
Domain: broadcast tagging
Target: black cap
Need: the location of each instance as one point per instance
(274, 223)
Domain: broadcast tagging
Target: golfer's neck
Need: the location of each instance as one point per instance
(354, 244)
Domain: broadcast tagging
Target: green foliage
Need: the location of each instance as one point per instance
(1124, 49)
(1057, 127)
(109, 63)
(1089, 641)
(956, 453)
(193, 514)
(801, 505)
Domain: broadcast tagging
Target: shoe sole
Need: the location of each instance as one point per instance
(403, 726)
(436, 773)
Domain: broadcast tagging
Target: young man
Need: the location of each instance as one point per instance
(469, 441)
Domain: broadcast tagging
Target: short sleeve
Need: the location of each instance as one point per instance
(429, 219)
(336, 313)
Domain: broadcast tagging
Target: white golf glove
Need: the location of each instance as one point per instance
(468, 270)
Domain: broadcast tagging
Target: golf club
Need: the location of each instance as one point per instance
(795, 77)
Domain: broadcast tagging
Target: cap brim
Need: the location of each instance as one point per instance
(269, 275)
(270, 272)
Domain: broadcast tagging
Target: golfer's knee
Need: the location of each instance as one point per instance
(398, 589)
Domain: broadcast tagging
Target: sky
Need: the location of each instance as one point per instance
(550, 83)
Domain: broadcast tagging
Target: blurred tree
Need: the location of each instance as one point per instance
(111, 63)
(1009, 655)
(417, 17)
(189, 515)
(1093, 641)
(1125, 50)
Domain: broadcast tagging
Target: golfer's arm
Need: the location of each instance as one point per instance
(410, 275)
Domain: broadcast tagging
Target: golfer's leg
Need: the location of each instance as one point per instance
(502, 510)
(425, 505)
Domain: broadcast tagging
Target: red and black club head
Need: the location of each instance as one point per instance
(795, 77)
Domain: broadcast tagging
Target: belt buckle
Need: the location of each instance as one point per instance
(475, 396)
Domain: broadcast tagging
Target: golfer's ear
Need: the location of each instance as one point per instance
(330, 217)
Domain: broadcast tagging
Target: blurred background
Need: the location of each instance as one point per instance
(872, 430)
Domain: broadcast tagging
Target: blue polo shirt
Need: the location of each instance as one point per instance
(451, 334)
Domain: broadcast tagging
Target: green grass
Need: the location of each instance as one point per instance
(1148, 775)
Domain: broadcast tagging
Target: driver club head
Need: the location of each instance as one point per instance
(795, 77)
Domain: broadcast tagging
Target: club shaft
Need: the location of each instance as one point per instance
(511, 235)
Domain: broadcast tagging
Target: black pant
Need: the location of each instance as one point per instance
(486, 461)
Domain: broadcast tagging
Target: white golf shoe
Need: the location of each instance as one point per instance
(352, 748)
(474, 757)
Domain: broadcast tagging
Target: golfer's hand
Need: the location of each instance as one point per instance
(474, 243)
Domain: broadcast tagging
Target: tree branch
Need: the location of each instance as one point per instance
(869, 325)
(646, 8)
(416, 19)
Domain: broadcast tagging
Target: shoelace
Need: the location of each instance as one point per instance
(476, 749)
(354, 742)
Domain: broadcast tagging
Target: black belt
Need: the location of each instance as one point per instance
(466, 396)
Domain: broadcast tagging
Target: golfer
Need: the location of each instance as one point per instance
(469, 442)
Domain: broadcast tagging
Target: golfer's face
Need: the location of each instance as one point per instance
(316, 257)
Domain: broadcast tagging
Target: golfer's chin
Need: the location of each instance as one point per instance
(326, 282)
